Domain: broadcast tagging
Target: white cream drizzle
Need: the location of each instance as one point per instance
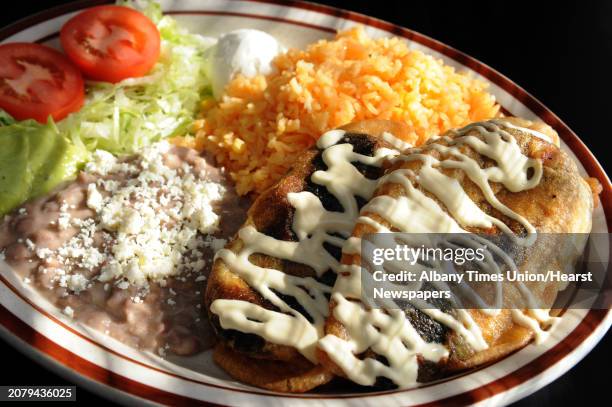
(313, 226)
(415, 212)
(396, 142)
(387, 332)
(533, 132)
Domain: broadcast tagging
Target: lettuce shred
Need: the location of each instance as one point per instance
(123, 117)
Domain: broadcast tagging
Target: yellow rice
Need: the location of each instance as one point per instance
(263, 123)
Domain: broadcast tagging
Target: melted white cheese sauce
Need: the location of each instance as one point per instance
(387, 332)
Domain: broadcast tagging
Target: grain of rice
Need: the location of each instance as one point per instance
(262, 123)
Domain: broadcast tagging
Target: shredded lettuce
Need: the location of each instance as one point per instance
(123, 117)
(120, 118)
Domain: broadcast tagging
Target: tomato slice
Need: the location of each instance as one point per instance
(111, 43)
(37, 81)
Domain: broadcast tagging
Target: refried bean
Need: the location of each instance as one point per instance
(165, 318)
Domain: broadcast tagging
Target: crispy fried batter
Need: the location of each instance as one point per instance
(274, 375)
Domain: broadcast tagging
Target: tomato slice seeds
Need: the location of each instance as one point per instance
(37, 81)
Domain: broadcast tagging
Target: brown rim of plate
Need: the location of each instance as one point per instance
(97, 373)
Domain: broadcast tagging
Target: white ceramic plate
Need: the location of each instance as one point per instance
(106, 366)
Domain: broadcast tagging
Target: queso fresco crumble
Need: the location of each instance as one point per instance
(153, 220)
(127, 246)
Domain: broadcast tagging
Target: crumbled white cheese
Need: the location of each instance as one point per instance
(94, 198)
(30, 245)
(218, 244)
(77, 282)
(68, 311)
(109, 272)
(157, 216)
(196, 265)
(62, 281)
(76, 222)
(101, 163)
(200, 278)
(151, 221)
(44, 253)
(63, 221)
(22, 211)
(124, 285)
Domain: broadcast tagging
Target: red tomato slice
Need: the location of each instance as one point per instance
(111, 43)
(37, 82)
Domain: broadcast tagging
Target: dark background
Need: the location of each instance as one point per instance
(561, 52)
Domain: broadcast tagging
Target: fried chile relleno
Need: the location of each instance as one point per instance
(269, 291)
(273, 215)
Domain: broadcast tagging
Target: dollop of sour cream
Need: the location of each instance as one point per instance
(246, 51)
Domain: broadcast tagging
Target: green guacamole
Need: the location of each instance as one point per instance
(34, 159)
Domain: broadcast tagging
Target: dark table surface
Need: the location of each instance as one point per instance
(561, 52)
